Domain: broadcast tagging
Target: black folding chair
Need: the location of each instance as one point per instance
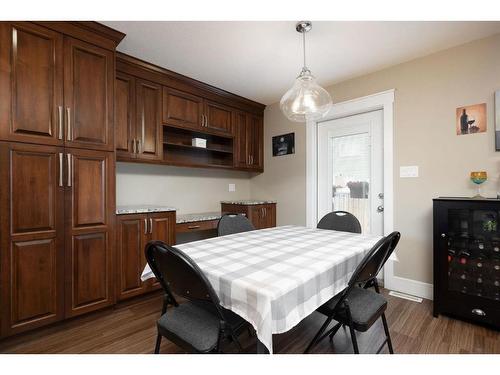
(200, 324)
(394, 238)
(233, 223)
(357, 307)
(340, 220)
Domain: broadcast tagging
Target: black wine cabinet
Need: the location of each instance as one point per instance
(467, 259)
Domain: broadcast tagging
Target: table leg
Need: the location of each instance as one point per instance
(261, 348)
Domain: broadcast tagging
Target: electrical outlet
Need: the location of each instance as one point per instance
(232, 187)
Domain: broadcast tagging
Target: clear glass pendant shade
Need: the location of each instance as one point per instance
(306, 100)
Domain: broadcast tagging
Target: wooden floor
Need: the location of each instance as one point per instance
(130, 328)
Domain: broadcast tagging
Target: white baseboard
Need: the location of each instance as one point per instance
(409, 286)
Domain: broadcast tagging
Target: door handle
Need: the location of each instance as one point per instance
(68, 121)
(380, 209)
(150, 225)
(61, 120)
(69, 169)
(60, 169)
(145, 226)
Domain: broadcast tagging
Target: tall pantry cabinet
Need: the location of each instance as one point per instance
(57, 171)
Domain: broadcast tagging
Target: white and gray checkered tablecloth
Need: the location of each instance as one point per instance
(275, 277)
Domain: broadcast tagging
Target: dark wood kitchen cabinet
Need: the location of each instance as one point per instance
(261, 215)
(89, 205)
(31, 236)
(57, 233)
(218, 118)
(189, 109)
(57, 195)
(31, 84)
(89, 73)
(193, 112)
(249, 141)
(54, 89)
(138, 118)
(125, 129)
(134, 231)
(148, 120)
(182, 109)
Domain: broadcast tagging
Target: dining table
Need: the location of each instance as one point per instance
(275, 277)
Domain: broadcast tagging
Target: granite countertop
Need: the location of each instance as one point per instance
(205, 216)
(145, 208)
(249, 202)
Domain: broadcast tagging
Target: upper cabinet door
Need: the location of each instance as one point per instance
(125, 128)
(182, 109)
(218, 118)
(88, 95)
(31, 91)
(241, 128)
(148, 120)
(256, 140)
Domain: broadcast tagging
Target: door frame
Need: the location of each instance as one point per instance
(379, 101)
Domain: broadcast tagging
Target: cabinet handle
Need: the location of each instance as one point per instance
(202, 120)
(69, 169)
(443, 235)
(61, 120)
(145, 226)
(193, 227)
(139, 146)
(150, 225)
(133, 147)
(478, 312)
(265, 211)
(60, 169)
(68, 121)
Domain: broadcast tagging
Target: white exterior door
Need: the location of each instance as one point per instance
(350, 169)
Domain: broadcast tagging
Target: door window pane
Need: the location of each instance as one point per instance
(351, 176)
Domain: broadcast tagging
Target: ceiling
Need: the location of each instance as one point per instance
(259, 60)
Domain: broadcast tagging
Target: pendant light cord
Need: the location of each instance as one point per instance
(304, 45)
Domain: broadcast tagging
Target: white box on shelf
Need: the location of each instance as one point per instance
(199, 142)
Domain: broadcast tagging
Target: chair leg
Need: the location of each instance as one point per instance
(353, 339)
(158, 342)
(334, 330)
(318, 335)
(387, 334)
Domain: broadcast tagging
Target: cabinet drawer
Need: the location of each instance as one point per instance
(473, 308)
(196, 226)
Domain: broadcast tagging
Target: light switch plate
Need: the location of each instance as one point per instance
(408, 171)
(232, 187)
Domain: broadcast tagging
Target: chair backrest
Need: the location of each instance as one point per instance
(340, 220)
(178, 273)
(233, 223)
(368, 269)
(394, 238)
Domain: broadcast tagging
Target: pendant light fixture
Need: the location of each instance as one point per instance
(306, 100)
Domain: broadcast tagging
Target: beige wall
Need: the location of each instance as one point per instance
(190, 190)
(428, 90)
